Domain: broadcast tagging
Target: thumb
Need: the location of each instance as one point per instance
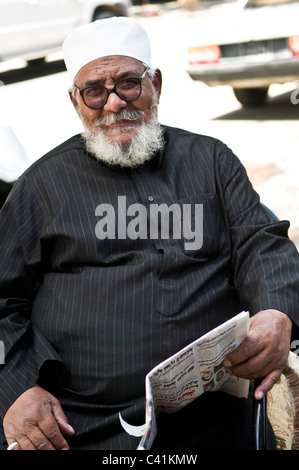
(61, 419)
(267, 383)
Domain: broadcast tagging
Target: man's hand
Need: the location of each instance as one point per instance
(36, 422)
(264, 352)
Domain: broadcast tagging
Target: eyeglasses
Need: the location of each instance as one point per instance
(129, 89)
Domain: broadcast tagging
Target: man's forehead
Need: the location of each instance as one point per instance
(110, 66)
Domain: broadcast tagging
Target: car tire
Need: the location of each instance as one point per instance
(36, 62)
(102, 14)
(250, 97)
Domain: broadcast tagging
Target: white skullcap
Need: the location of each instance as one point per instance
(102, 38)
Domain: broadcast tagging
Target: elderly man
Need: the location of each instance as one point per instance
(93, 296)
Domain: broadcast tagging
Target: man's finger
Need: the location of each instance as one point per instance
(51, 433)
(13, 445)
(247, 349)
(267, 383)
(255, 367)
(61, 420)
(24, 443)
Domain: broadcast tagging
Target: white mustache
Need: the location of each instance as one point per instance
(123, 115)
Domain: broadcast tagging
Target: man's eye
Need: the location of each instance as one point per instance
(128, 84)
(95, 91)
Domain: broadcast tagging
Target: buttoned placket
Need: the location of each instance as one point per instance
(152, 190)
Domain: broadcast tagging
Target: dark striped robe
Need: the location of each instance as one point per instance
(88, 317)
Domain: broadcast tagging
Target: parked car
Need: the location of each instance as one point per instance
(258, 46)
(31, 29)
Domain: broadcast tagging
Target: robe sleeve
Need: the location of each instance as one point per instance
(28, 356)
(265, 263)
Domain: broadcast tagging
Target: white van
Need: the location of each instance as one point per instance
(31, 29)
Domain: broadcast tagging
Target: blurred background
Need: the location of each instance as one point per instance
(230, 70)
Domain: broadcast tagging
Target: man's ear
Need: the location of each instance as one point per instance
(157, 82)
(73, 98)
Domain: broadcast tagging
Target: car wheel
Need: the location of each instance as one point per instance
(251, 96)
(36, 62)
(102, 14)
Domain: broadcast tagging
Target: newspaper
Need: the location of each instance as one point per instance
(186, 375)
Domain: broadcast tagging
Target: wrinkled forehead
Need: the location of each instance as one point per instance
(114, 67)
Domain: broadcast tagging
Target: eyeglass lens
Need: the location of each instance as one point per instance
(127, 90)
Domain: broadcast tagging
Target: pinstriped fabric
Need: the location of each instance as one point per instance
(89, 317)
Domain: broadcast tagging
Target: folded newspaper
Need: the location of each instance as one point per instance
(189, 373)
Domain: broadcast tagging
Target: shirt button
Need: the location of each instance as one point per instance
(150, 198)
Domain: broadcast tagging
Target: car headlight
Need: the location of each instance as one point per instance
(203, 55)
(294, 45)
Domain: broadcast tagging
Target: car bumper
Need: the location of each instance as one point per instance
(246, 73)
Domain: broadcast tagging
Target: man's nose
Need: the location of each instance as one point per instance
(114, 103)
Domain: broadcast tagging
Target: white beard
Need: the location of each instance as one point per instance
(142, 148)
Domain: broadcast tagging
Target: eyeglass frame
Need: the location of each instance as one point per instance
(113, 90)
